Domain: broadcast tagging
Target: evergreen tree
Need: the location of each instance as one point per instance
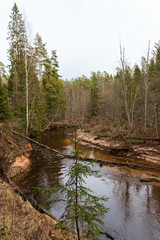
(83, 210)
(155, 68)
(23, 82)
(18, 44)
(94, 94)
(3, 75)
(40, 56)
(4, 108)
(53, 86)
(154, 93)
(38, 114)
(82, 82)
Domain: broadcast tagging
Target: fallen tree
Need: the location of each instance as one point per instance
(27, 198)
(101, 162)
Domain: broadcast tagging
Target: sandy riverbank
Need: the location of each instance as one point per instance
(147, 152)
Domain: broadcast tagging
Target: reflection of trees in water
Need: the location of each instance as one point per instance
(56, 138)
(45, 171)
(136, 204)
(137, 199)
(126, 197)
(47, 167)
(154, 192)
(137, 188)
(121, 190)
(148, 199)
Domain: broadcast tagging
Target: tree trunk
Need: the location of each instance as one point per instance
(146, 89)
(76, 217)
(27, 112)
(122, 60)
(40, 74)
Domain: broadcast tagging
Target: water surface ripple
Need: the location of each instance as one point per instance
(134, 207)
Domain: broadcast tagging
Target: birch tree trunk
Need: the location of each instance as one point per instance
(146, 86)
(27, 110)
(122, 61)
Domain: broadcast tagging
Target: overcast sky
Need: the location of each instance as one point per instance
(86, 33)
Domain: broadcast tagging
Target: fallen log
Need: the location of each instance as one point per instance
(133, 166)
(149, 180)
(108, 235)
(34, 204)
(101, 162)
(38, 143)
(144, 139)
(117, 150)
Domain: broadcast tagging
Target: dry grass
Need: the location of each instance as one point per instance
(19, 220)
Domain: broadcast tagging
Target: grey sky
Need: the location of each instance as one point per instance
(86, 33)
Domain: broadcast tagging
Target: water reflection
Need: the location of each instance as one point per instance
(134, 207)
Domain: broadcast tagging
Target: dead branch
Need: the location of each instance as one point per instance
(38, 143)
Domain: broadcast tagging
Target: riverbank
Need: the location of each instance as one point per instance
(142, 150)
(20, 221)
(17, 215)
(96, 136)
(18, 218)
(14, 153)
(127, 196)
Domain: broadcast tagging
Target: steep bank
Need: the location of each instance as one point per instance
(14, 153)
(18, 218)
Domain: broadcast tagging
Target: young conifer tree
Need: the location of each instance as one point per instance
(83, 211)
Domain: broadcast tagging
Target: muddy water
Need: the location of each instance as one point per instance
(134, 207)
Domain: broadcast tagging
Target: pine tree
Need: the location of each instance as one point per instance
(53, 86)
(40, 56)
(51, 69)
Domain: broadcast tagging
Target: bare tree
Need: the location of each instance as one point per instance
(27, 108)
(124, 85)
(146, 85)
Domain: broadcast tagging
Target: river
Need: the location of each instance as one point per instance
(134, 206)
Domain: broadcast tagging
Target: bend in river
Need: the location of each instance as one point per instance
(134, 206)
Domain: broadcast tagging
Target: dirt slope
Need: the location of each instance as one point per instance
(19, 220)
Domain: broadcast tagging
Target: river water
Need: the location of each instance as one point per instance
(134, 206)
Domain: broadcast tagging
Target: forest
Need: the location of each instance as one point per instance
(33, 94)
(107, 145)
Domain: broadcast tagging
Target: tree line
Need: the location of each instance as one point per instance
(33, 94)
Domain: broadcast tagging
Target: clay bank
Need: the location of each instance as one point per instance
(20, 218)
